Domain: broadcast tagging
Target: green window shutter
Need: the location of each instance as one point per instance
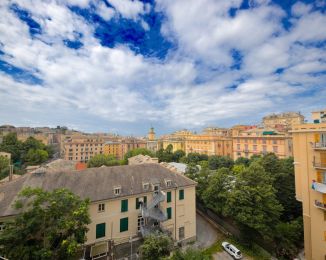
(145, 200)
(181, 194)
(100, 230)
(123, 224)
(168, 196)
(169, 212)
(124, 205)
(137, 203)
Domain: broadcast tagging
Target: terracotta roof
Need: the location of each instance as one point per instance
(93, 183)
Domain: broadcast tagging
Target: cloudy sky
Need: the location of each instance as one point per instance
(123, 65)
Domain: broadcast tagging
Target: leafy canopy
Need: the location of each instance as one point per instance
(51, 225)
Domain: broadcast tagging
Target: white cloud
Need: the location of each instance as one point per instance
(128, 8)
(191, 88)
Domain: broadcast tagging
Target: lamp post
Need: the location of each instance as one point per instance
(130, 248)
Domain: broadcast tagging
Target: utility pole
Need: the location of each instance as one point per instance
(11, 171)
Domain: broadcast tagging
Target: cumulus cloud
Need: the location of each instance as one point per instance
(225, 66)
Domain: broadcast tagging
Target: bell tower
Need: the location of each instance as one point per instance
(151, 134)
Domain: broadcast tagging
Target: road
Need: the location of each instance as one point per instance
(207, 234)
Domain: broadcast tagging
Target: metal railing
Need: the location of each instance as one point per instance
(320, 165)
(319, 204)
(319, 145)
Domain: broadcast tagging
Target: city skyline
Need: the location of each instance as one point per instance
(124, 66)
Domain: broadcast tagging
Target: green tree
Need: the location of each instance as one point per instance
(156, 246)
(216, 162)
(242, 160)
(288, 238)
(4, 167)
(4, 162)
(10, 144)
(102, 159)
(165, 155)
(177, 155)
(194, 158)
(189, 254)
(51, 225)
(218, 190)
(252, 200)
(35, 157)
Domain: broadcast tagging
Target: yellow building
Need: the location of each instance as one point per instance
(319, 116)
(258, 141)
(177, 143)
(152, 144)
(126, 201)
(209, 144)
(81, 148)
(113, 148)
(151, 134)
(286, 120)
(309, 146)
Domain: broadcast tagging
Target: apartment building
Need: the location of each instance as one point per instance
(113, 148)
(319, 116)
(258, 141)
(81, 148)
(309, 146)
(126, 201)
(209, 144)
(283, 121)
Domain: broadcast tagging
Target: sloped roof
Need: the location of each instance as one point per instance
(93, 183)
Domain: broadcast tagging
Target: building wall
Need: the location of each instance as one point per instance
(113, 148)
(304, 138)
(209, 144)
(177, 144)
(289, 119)
(82, 148)
(183, 215)
(246, 146)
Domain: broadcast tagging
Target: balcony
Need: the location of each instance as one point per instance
(319, 146)
(320, 205)
(320, 187)
(319, 165)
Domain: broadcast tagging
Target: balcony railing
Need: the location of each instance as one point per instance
(320, 187)
(319, 145)
(319, 165)
(320, 205)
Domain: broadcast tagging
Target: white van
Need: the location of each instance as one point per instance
(232, 250)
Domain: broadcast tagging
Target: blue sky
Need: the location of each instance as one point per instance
(122, 65)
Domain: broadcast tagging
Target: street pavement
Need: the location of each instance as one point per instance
(207, 234)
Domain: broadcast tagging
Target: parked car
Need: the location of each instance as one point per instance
(232, 250)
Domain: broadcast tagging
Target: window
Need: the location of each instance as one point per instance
(264, 148)
(168, 183)
(168, 197)
(123, 224)
(254, 141)
(140, 222)
(100, 230)
(255, 147)
(181, 194)
(238, 146)
(101, 207)
(117, 190)
(181, 233)
(275, 149)
(264, 141)
(141, 200)
(146, 186)
(124, 205)
(169, 212)
(274, 141)
(156, 187)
